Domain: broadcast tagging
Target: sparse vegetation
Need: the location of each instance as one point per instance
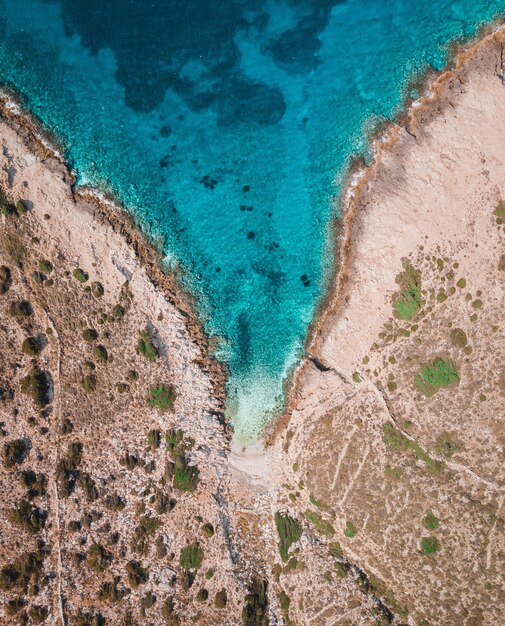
(429, 545)
(221, 599)
(5, 279)
(98, 558)
(146, 347)
(434, 376)
(28, 517)
(15, 452)
(289, 531)
(191, 557)
(31, 346)
(350, 530)
(162, 397)
(396, 440)
(431, 522)
(80, 275)
(255, 611)
(100, 353)
(38, 385)
(407, 303)
(322, 526)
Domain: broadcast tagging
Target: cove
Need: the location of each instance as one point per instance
(225, 128)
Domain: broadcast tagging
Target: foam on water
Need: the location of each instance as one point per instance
(225, 128)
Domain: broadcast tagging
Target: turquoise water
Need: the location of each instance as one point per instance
(225, 128)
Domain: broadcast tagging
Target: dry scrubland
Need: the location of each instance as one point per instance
(380, 503)
(394, 457)
(113, 495)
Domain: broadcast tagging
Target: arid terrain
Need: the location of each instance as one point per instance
(378, 500)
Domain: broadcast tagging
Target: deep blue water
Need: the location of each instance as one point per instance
(225, 128)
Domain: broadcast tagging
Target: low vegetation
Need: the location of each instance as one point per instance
(289, 531)
(436, 375)
(407, 303)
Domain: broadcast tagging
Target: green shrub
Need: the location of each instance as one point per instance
(98, 558)
(39, 386)
(36, 484)
(161, 397)
(137, 575)
(208, 529)
(431, 522)
(30, 518)
(46, 267)
(20, 309)
(429, 545)
(202, 595)
(289, 531)
(350, 530)
(97, 289)
(335, 549)
(396, 440)
(16, 451)
(89, 334)
(209, 573)
(191, 557)
(80, 275)
(148, 600)
(146, 529)
(186, 478)
(407, 303)
(38, 614)
(5, 279)
(14, 606)
(89, 383)
(221, 599)
(434, 376)
(154, 438)
(146, 347)
(255, 611)
(100, 353)
(26, 568)
(31, 346)
(322, 526)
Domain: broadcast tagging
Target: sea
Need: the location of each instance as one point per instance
(226, 128)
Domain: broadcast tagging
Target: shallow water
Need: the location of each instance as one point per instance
(225, 128)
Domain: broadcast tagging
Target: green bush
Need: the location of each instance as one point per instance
(89, 383)
(30, 518)
(154, 438)
(115, 502)
(208, 529)
(20, 309)
(186, 478)
(98, 558)
(407, 303)
(38, 385)
(161, 397)
(146, 347)
(80, 275)
(429, 545)
(31, 346)
(46, 267)
(100, 353)
(350, 530)
(97, 289)
(137, 575)
(110, 593)
(89, 334)
(221, 599)
(434, 376)
(16, 451)
(431, 522)
(5, 279)
(255, 611)
(191, 557)
(289, 531)
(38, 614)
(148, 600)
